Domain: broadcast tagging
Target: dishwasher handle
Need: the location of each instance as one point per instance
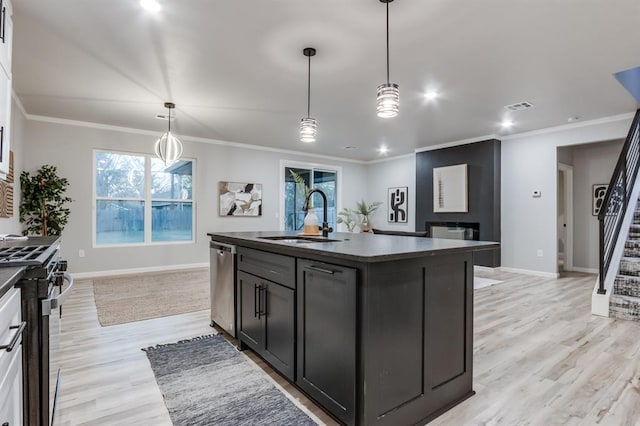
(215, 245)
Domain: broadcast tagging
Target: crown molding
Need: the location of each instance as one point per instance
(384, 160)
(456, 143)
(130, 130)
(19, 103)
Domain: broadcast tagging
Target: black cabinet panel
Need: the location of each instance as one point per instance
(326, 358)
(446, 306)
(273, 267)
(279, 328)
(250, 328)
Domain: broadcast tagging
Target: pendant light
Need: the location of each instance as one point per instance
(388, 99)
(308, 125)
(168, 147)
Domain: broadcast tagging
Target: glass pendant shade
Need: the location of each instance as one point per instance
(388, 100)
(308, 129)
(168, 148)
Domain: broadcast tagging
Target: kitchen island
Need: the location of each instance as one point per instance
(377, 329)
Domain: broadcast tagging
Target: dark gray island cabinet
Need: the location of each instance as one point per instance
(376, 329)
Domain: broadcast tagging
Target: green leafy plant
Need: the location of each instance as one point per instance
(348, 217)
(42, 209)
(302, 187)
(365, 210)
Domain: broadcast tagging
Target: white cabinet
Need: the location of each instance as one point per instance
(11, 327)
(6, 41)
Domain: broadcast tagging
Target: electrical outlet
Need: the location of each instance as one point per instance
(81, 253)
(539, 252)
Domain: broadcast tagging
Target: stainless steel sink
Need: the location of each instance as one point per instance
(299, 239)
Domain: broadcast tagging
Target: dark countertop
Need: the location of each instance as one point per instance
(360, 247)
(8, 277)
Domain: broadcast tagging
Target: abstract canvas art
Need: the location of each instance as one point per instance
(240, 199)
(599, 191)
(450, 189)
(398, 210)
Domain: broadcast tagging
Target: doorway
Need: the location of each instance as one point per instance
(565, 218)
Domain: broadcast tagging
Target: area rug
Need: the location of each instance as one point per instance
(144, 296)
(206, 381)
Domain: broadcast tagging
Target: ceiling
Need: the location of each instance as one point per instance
(236, 70)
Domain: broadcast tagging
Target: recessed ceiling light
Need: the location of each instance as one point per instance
(150, 5)
(348, 147)
(383, 149)
(506, 123)
(431, 95)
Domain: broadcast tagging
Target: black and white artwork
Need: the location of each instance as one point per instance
(599, 191)
(398, 207)
(240, 199)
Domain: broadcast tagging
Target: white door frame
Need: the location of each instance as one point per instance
(568, 209)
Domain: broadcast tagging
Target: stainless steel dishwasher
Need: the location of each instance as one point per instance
(222, 258)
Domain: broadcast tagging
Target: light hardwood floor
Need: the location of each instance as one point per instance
(541, 358)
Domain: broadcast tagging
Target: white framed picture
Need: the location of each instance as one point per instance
(398, 205)
(599, 191)
(450, 189)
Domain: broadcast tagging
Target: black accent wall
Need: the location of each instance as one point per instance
(483, 173)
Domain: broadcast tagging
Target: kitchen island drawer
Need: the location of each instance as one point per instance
(273, 267)
(10, 328)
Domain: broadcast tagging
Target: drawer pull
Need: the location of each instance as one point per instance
(20, 328)
(317, 269)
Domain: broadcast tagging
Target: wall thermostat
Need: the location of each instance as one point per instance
(537, 194)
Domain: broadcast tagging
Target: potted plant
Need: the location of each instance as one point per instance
(42, 209)
(365, 211)
(348, 217)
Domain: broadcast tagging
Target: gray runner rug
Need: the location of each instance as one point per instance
(206, 381)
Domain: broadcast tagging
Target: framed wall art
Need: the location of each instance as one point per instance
(450, 189)
(240, 199)
(398, 205)
(598, 192)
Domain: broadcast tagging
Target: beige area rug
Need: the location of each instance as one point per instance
(144, 296)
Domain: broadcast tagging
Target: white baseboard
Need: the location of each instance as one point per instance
(479, 268)
(131, 271)
(530, 272)
(585, 270)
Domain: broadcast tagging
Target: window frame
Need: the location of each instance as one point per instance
(147, 199)
(313, 167)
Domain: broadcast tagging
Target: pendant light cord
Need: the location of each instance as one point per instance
(309, 89)
(169, 119)
(387, 42)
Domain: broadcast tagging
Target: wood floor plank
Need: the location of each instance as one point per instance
(540, 358)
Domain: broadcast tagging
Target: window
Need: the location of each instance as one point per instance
(323, 179)
(139, 200)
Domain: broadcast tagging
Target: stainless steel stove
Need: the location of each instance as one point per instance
(43, 293)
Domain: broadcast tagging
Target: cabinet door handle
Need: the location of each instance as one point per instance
(14, 339)
(4, 16)
(263, 302)
(256, 296)
(1, 142)
(318, 269)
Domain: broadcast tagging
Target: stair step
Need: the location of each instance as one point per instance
(630, 266)
(632, 248)
(625, 285)
(624, 307)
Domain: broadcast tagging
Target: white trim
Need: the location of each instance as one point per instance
(478, 268)
(563, 127)
(19, 103)
(155, 134)
(311, 166)
(585, 270)
(456, 143)
(132, 271)
(568, 204)
(530, 272)
(397, 157)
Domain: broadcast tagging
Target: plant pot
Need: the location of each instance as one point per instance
(364, 225)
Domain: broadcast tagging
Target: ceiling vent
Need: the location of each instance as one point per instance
(165, 116)
(519, 106)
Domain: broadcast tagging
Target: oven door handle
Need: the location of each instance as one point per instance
(54, 302)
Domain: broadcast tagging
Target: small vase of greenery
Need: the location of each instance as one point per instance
(365, 210)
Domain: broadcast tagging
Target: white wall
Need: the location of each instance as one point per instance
(529, 162)
(18, 122)
(396, 172)
(592, 164)
(70, 148)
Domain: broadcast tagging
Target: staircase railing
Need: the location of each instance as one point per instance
(616, 200)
